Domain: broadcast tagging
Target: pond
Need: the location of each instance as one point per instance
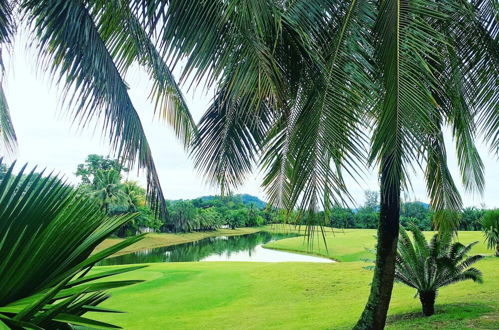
(223, 248)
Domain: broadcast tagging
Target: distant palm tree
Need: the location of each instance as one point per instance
(88, 46)
(490, 223)
(427, 267)
(134, 195)
(108, 189)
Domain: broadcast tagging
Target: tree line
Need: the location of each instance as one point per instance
(103, 179)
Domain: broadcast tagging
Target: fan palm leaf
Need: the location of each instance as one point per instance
(45, 255)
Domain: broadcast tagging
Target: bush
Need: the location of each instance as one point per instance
(427, 267)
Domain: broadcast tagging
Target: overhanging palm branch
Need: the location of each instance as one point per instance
(129, 43)
(48, 231)
(73, 49)
(8, 139)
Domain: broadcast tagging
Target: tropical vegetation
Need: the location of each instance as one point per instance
(490, 223)
(306, 87)
(429, 266)
(312, 91)
(102, 179)
(47, 233)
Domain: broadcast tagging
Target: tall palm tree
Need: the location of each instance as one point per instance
(89, 46)
(313, 90)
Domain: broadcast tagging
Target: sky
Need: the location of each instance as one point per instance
(48, 139)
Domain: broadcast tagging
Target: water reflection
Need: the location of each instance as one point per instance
(222, 248)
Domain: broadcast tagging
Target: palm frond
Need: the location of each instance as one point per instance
(405, 52)
(326, 136)
(473, 33)
(45, 255)
(129, 42)
(230, 137)
(8, 138)
(72, 48)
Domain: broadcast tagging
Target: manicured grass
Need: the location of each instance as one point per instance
(355, 244)
(245, 295)
(154, 240)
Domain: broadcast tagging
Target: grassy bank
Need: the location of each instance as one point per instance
(154, 240)
(245, 295)
(354, 244)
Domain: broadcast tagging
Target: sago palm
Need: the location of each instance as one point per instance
(490, 223)
(48, 231)
(427, 267)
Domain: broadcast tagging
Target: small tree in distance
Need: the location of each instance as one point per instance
(490, 223)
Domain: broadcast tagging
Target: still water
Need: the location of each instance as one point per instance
(223, 248)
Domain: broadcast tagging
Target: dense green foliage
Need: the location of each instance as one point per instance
(490, 223)
(427, 267)
(47, 233)
(216, 212)
(102, 181)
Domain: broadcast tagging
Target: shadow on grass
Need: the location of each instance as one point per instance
(448, 316)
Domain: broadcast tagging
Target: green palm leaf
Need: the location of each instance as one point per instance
(93, 85)
(48, 232)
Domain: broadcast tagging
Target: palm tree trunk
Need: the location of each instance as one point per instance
(497, 249)
(376, 309)
(428, 302)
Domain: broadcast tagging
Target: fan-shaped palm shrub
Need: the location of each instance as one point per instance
(490, 223)
(48, 231)
(427, 267)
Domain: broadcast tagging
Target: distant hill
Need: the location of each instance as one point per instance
(246, 198)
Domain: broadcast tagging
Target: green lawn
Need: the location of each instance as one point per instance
(355, 244)
(229, 295)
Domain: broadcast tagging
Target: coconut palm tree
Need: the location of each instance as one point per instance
(134, 195)
(313, 90)
(427, 267)
(88, 46)
(490, 223)
(107, 189)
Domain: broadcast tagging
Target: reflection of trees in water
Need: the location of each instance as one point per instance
(197, 250)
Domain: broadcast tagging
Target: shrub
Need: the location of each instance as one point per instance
(427, 267)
